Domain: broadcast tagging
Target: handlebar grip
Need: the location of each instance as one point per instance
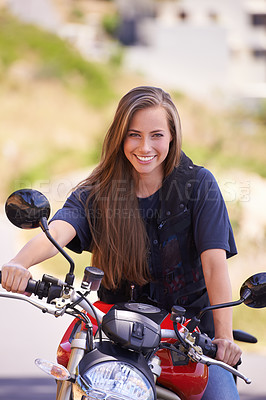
(244, 336)
(208, 347)
(31, 287)
(212, 351)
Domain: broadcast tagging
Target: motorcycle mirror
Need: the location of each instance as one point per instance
(256, 284)
(26, 207)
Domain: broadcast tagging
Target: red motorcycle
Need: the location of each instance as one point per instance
(126, 351)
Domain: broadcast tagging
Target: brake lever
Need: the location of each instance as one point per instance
(45, 308)
(210, 361)
(195, 354)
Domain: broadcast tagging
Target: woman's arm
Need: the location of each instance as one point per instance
(218, 285)
(15, 274)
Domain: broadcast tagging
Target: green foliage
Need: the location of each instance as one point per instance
(215, 156)
(76, 14)
(255, 111)
(228, 139)
(177, 96)
(110, 23)
(54, 58)
(261, 114)
(55, 164)
(117, 56)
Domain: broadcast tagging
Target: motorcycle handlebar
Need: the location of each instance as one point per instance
(53, 285)
(47, 287)
(212, 351)
(32, 285)
(208, 347)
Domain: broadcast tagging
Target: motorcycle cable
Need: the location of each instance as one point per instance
(162, 346)
(77, 313)
(172, 347)
(95, 315)
(76, 303)
(149, 356)
(179, 337)
(80, 315)
(83, 318)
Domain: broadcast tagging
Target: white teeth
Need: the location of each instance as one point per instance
(145, 158)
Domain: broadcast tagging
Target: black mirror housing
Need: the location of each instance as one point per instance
(25, 208)
(257, 285)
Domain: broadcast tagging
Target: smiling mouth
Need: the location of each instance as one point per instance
(145, 158)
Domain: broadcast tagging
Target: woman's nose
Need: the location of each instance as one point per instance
(144, 145)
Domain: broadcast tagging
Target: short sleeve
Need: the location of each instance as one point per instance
(211, 225)
(73, 212)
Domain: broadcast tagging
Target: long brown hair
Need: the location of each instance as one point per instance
(120, 240)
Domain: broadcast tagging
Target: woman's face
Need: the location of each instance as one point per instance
(147, 142)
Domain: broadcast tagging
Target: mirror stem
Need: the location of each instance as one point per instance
(246, 294)
(44, 226)
(216, 306)
(196, 320)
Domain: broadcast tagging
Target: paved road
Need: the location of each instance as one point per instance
(44, 389)
(27, 389)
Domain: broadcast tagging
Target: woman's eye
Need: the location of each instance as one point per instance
(158, 135)
(132, 134)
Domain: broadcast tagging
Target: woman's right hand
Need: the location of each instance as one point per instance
(15, 277)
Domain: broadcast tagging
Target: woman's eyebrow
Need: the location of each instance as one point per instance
(154, 131)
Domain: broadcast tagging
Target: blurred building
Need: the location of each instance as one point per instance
(86, 34)
(200, 47)
(203, 46)
(39, 12)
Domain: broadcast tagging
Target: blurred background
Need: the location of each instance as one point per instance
(64, 64)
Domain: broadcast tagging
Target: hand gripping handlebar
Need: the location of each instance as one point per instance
(49, 287)
(31, 286)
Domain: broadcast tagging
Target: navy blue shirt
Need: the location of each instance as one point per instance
(211, 225)
(181, 225)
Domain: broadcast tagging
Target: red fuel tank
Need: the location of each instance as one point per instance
(185, 378)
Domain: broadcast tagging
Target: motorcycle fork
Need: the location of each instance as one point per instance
(165, 394)
(78, 347)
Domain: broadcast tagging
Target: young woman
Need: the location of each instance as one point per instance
(155, 223)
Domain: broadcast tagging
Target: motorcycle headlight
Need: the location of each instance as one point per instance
(113, 375)
(114, 380)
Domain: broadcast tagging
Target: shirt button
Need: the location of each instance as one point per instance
(190, 166)
(155, 241)
(189, 185)
(182, 205)
(168, 212)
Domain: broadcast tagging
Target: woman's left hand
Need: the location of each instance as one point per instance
(228, 351)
